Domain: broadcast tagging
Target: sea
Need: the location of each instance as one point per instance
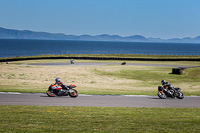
(17, 47)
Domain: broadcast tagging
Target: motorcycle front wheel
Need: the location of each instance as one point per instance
(162, 95)
(180, 95)
(73, 93)
(50, 94)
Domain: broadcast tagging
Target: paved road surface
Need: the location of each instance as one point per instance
(97, 100)
(97, 64)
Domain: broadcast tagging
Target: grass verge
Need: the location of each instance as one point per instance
(111, 55)
(98, 119)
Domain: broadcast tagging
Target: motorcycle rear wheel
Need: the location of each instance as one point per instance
(73, 93)
(50, 94)
(180, 95)
(162, 95)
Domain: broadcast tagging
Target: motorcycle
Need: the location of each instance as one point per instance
(163, 93)
(65, 91)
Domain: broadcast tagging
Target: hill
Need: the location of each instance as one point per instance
(27, 34)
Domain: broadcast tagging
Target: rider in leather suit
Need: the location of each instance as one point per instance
(167, 86)
(58, 82)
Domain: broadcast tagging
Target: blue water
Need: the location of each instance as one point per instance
(11, 48)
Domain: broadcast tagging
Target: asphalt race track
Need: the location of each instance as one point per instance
(97, 64)
(40, 99)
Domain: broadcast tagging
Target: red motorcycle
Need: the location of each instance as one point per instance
(65, 91)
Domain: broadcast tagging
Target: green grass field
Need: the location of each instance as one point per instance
(98, 119)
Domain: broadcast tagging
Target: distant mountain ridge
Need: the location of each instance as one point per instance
(26, 34)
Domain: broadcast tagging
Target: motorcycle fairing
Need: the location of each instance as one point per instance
(56, 87)
(72, 86)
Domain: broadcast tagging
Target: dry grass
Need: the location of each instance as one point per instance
(38, 78)
(108, 79)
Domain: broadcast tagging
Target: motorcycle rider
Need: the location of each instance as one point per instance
(72, 61)
(167, 86)
(58, 82)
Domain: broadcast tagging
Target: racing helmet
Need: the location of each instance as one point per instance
(57, 80)
(163, 82)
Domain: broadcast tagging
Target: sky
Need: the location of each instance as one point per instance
(150, 18)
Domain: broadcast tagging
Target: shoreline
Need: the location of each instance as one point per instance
(101, 58)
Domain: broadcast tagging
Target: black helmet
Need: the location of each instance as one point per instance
(163, 82)
(57, 80)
